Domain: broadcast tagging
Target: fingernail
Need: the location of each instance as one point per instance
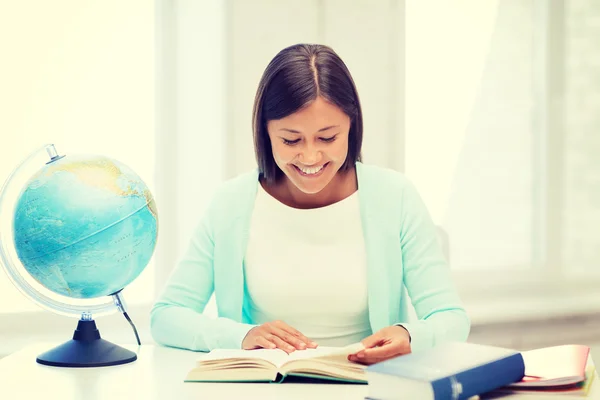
(360, 355)
(302, 345)
(313, 344)
(290, 348)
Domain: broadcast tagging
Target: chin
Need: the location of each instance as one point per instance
(309, 189)
(309, 185)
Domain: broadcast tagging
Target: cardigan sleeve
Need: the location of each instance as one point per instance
(427, 278)
(177, 318)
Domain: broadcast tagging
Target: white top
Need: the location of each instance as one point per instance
(308, 268)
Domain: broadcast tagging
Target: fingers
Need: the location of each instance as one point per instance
(289, 338)
(283, 345)
(373, 340)
(291, 335)
(378, 354)
(263, 342)
(365, 361)
(299, 337)
(276, 335)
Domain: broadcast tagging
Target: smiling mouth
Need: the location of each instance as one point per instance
(311, 172)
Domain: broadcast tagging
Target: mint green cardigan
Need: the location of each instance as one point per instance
(403, 257)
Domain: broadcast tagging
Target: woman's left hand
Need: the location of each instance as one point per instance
(386, 343)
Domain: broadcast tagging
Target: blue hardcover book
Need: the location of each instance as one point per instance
(454, 371)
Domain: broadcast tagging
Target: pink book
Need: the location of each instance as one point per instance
(554, 366)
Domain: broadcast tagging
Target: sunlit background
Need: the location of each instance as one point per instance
(492, 109)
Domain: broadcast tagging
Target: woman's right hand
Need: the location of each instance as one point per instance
(276, 335)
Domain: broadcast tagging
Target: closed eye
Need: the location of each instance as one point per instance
(329, 139)
(290, 142)
(323, 139)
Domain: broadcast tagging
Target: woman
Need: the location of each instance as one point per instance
(314, 247)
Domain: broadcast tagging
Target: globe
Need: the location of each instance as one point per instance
(77, 229)
(85, 227)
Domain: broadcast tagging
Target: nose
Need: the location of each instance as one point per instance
(310, 155)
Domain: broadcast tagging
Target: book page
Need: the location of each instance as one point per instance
(327, 352)
(327, 362)
(338, 355)
(275, 357)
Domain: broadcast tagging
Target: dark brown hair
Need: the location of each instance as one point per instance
(296, 76)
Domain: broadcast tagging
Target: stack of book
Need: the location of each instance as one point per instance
(467, 370)
(449, 371)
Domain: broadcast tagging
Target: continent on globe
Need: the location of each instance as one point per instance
(85, 226)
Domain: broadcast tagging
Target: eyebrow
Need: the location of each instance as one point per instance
(320, 130)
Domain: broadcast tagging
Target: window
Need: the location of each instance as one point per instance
(471, 133)
(580, 145)
(80, 75)
(503, 133)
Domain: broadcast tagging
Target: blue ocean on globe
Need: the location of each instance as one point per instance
(85, 226)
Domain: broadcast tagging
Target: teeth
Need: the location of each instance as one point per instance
(311, 171)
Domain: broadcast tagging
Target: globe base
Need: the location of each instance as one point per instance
(86, 349)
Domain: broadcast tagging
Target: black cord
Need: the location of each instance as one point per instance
(133, 326)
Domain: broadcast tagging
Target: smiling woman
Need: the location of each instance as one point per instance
(312, 219)
(311, 160)
(308, 127)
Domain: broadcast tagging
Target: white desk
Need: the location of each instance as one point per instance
(157, 374)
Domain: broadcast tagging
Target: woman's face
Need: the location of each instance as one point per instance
(311, 145)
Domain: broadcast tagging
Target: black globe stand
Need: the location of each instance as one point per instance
(86, 349)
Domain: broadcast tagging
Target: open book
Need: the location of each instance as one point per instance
(274, 365)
